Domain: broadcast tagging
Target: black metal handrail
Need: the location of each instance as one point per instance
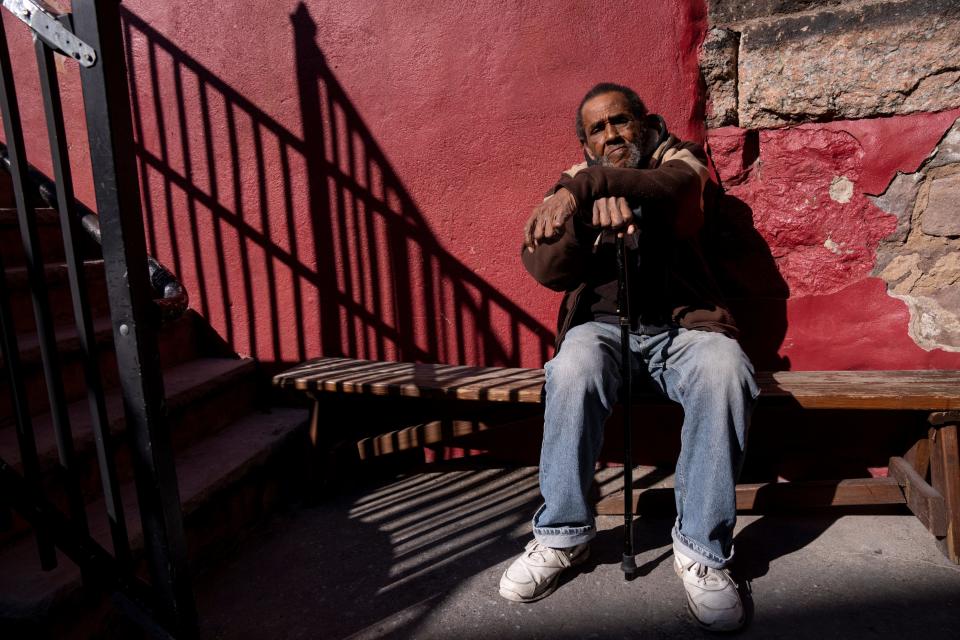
(172, 298)
(164, 606)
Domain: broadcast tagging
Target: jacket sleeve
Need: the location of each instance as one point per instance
(671, 194)
(559, 265)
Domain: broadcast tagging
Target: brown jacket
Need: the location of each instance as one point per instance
(674, 286)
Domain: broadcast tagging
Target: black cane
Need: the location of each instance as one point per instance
(628, 565)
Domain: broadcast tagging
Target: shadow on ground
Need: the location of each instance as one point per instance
(420, 557)
(370, 563)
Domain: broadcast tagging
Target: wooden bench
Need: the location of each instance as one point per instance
(462, 400)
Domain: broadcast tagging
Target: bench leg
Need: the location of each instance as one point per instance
(919, 456)
(321, 469)
(333, 456)
(945, 476)
(316, 457)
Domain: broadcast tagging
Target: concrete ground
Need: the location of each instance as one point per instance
(420, 557)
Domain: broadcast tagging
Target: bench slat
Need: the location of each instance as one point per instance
(925, 390)
(420, 380)
(768, 496)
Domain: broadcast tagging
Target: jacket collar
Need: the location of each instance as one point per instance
(663, 140)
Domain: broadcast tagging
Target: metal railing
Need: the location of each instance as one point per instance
(91, 35)
(171, 298)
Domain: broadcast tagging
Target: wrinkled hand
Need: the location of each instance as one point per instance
(614, 213)
(546, 222)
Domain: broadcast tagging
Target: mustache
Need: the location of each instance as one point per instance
(634, 155)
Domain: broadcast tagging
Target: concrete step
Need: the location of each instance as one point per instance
(58, 291)
(177, 342)
(227, 482)
(48, 232)
(203, 396)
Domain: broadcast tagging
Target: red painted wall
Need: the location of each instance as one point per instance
(819, 252)
(351, 177)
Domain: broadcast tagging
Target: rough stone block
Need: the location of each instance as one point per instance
(718, 65)
(727, 11)
(932, 326)
(898, 200)
(942, 215)
(948, 150)
(851, 61)
(921, 260)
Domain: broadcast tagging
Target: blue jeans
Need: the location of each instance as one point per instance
(706, 372)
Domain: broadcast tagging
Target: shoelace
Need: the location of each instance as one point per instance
(703, 573)
(540, 551)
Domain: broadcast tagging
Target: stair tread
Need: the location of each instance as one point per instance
(55, 273)
(183, 383)
(68, 338)
(42, 215)
(202, 470)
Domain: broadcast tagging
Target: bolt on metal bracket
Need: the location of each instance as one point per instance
(53, 29)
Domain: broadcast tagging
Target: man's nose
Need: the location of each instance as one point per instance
(610, 134)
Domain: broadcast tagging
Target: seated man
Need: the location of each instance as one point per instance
(681, 336)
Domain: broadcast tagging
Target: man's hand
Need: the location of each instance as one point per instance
(546, 222)
(614, 213)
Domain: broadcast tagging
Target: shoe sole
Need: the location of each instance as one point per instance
(715, 629)
(551, 586)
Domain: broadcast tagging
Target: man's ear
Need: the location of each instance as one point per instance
(655, 130)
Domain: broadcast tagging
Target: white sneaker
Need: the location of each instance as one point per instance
(535, 573)
(712, 595)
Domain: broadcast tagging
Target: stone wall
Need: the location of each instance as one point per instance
(921, 260)
(834, 125)
(770, 64)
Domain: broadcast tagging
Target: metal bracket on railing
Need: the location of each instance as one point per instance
(52, 30)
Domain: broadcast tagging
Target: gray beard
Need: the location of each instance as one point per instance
(634, 158)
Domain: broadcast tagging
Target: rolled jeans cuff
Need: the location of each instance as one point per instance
(562, 537)
(695, 551)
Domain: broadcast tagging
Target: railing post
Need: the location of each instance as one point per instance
(10, 112)
(107, 105)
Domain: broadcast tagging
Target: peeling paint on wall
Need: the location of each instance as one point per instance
(822, 232)
(920, 261)
(835, 106)
(841, 189)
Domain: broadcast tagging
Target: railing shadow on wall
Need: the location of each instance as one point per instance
(360, 276)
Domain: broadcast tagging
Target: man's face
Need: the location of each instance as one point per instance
(614, 135)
